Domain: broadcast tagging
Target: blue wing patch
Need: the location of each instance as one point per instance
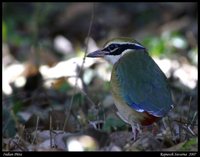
(137, 107)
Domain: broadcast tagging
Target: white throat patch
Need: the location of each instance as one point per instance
(114, 58)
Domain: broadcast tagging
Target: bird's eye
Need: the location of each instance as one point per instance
(112, 47)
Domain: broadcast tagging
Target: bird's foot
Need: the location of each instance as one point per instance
(135, 131)
(134, 135)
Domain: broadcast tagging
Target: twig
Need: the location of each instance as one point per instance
(188, 130)
(50, 128)
(189, 110)
(87, 41)
(193, 118)
(36, 128)
(20, 147)
(89, 99)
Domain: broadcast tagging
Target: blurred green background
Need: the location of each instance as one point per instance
(162, 27)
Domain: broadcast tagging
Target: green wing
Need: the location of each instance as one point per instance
(143, 85)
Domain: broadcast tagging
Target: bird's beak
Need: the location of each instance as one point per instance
(98, 53)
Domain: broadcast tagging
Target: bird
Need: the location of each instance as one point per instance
(139, 88)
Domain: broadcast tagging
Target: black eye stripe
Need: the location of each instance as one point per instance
(112, 46)
(117, 49)
(126, 46)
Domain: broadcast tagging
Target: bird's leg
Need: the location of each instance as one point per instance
(135, 130)
(135, 127)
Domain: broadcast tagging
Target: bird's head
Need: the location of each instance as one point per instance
(114, 49)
